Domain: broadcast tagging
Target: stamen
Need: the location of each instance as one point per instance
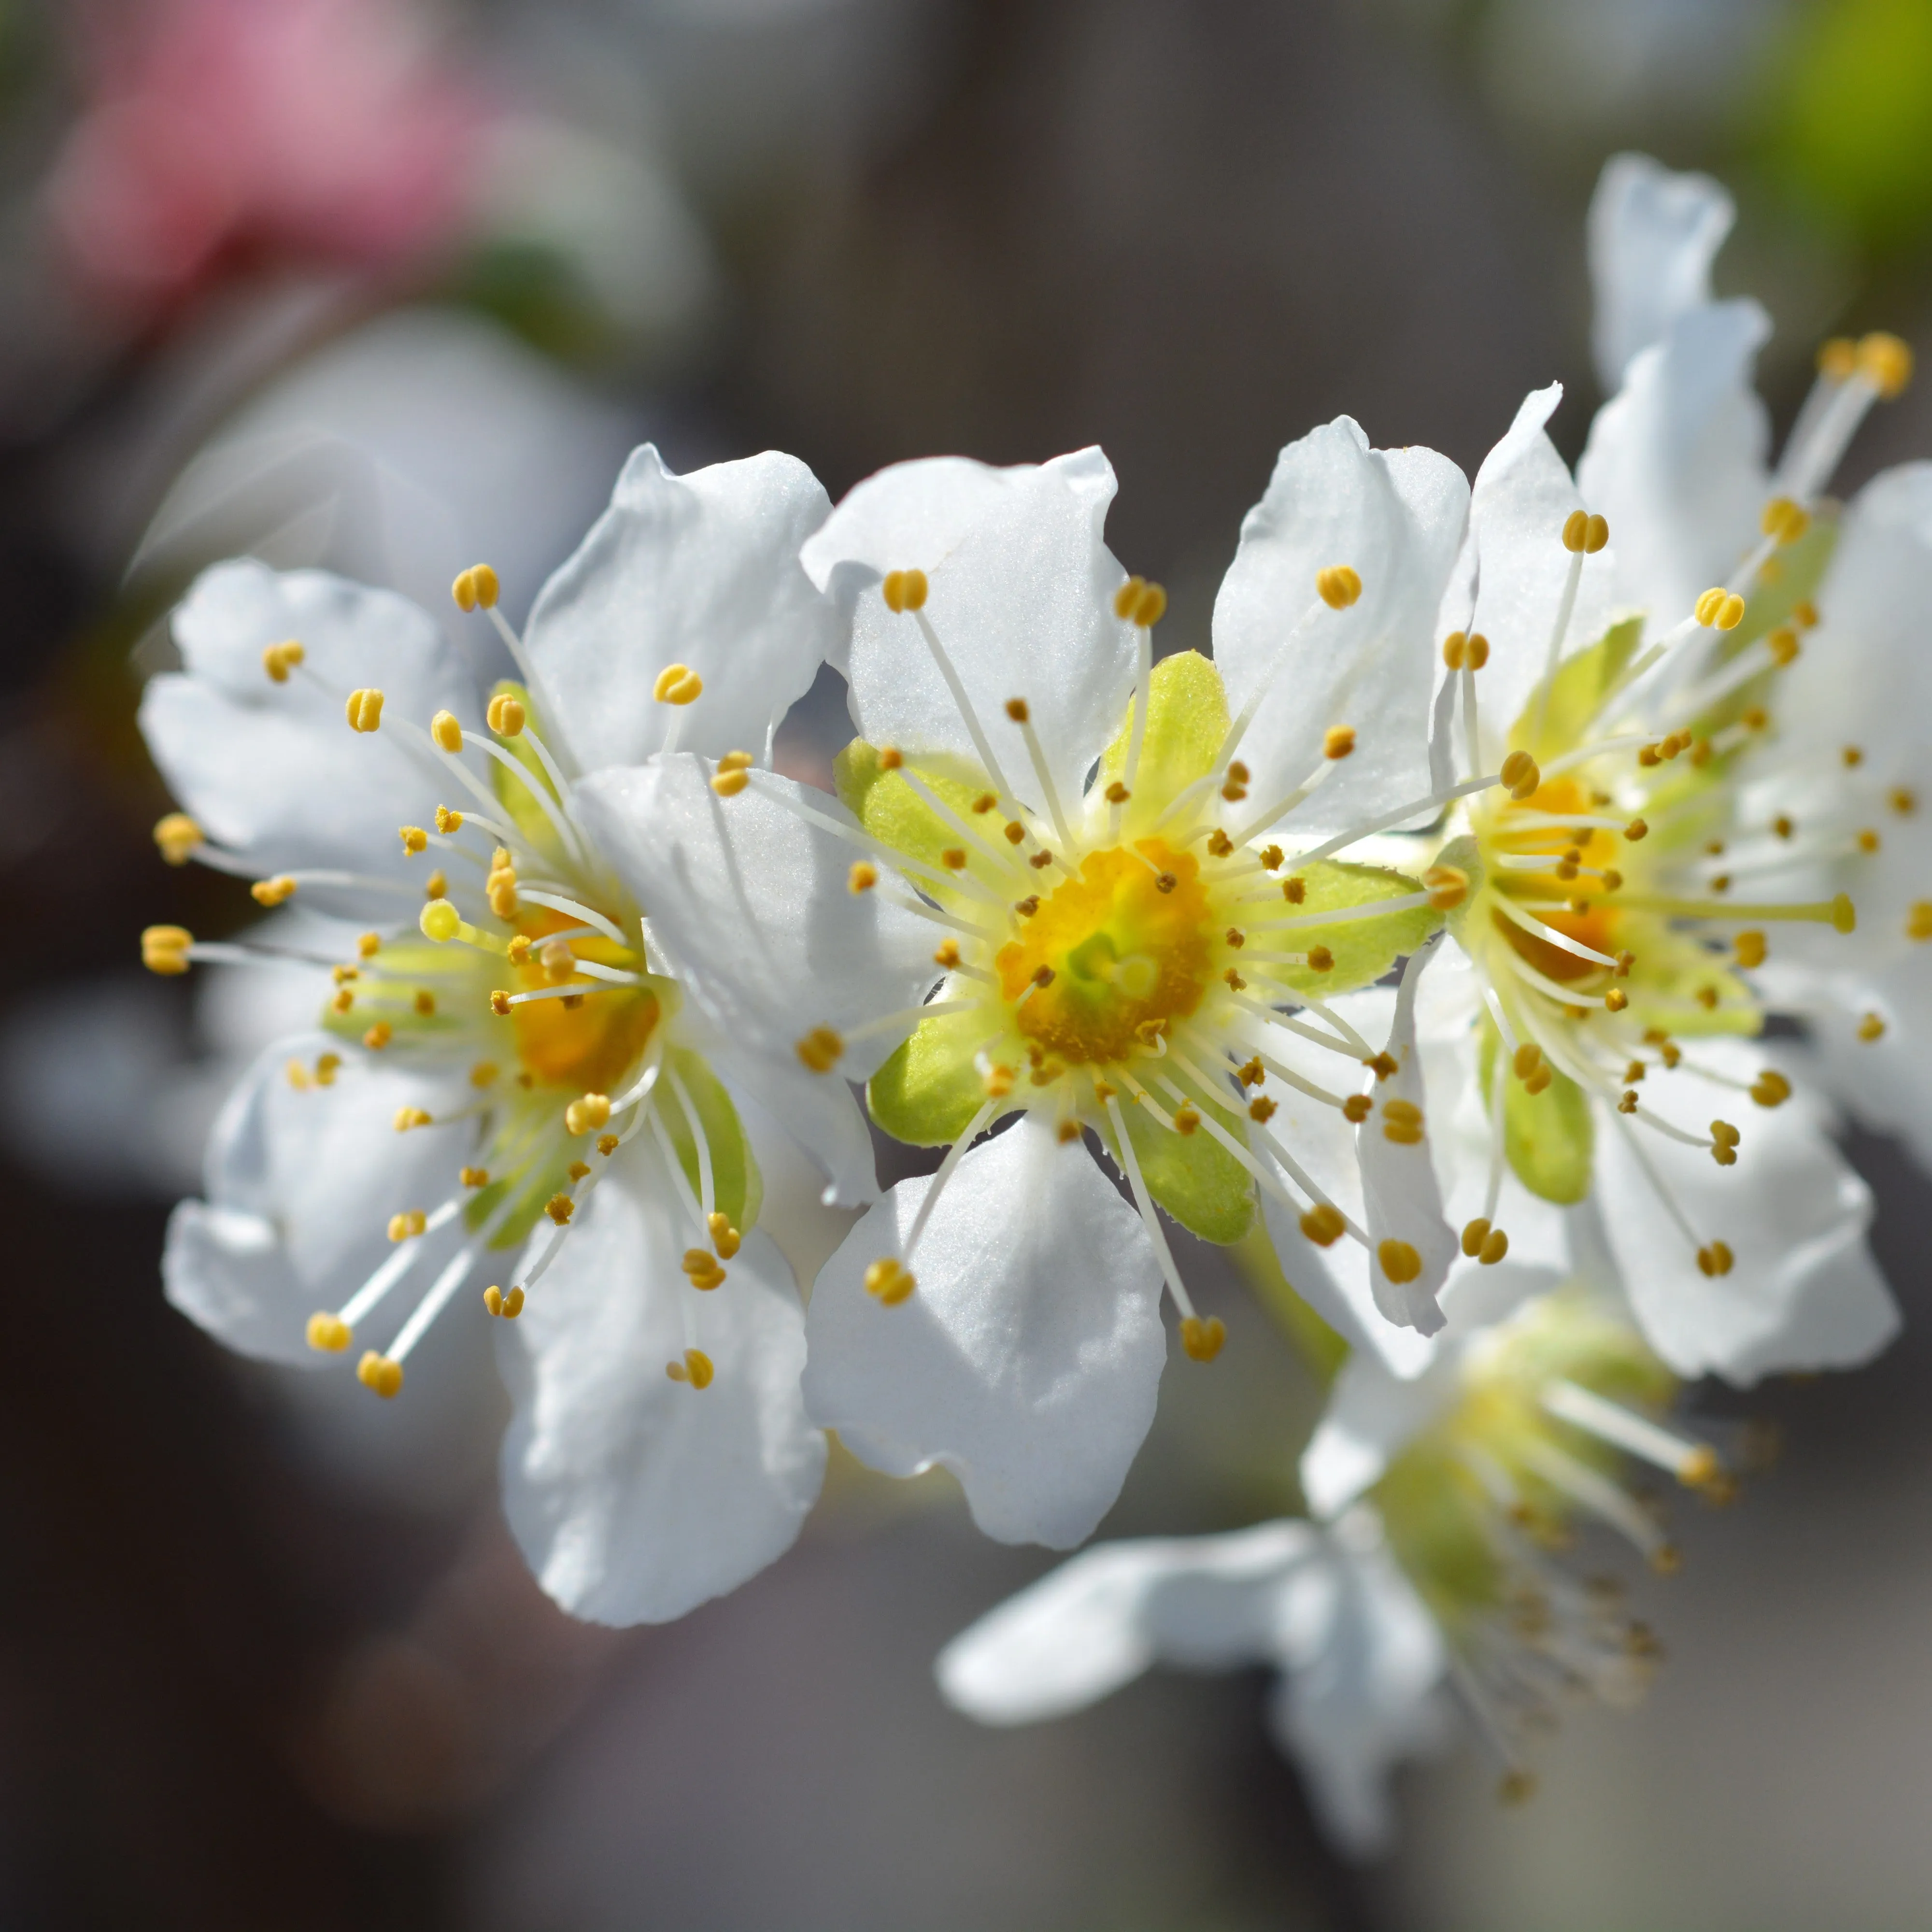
(1693, 1464)
(178, 838)
(1130, 1161)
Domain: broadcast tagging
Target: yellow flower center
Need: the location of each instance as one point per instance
(1579, 856)
(1128, 941)
(587, 1043)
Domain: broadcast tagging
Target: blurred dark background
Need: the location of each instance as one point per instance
(391, 287)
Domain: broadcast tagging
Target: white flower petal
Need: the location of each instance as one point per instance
(1803, 1292)
(819, 1110)
(634, 1498)
(1523, 497)
(1653, 234)
(1675, 462)
(1362, 1689)
(700, 570)
(1098, 1621)
(1020, 589)
(1881, 1083)
(301, 1186)
(752, 906)
(1402, 1198)
(273, 771)
(1396, 518)
(1028, 1358)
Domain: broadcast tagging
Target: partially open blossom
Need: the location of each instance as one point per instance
(507, 1082)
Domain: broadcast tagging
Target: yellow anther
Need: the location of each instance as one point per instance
(904, 590)
(1596, 535)
(1616, 1000)
(1723, 1135)
(1751, 949)
(378, 1036)
(678, 684)
(557, 960)
(415, 839)
(1627, 1103)
(404, 1226)
(1707, 607)
(1453, 647)
(473, 1177)
(364, 710)
(587, 1113)
(1474, 1233)
(559, 1207)
(863, 876)
(440, 921)
(1401, 1123)
(1771, 1088)
(946, 954)
(367, 945)
(1902, 799)
(164, 948)
(1185, 1118)
(954, 858)
(891, 758)
(278, 660)
(1867, 840)
(177, 835)
(1270, 856)
(1919, 920)
(407, 1118)
(1837, 358)
(1357, 1107)
(887, 1280)
(1785, 520)
(1475, 652)
(1150, 607)
(1446, 886)
(1203, 1340)
(343, 1000)
(1014, 832)
(1871, 1027)
(1320, 959)
(725, 1237)
(379, 1373)
(1294, 889)
(501, 893)
(695, 1369)
(1400, 1262)
(607, 1144)
(1575, 532)
(1117, 794)
(424, 1002)
(1730, 612)
(1494, 1248)
(1338, 741)
(821, 1049)
(1323, 1225)
(1127, 599)
(1016, 710)
(329, 1334)
(1844, 914)
(272, 892)
(734, 774)
(506, 715)
(298, 1076)
(1520, 775)
(701, 1268)
(1635, 829)
(326, 1065)
(1338, 587)
(475, 588)
(492, 1299)
(500, 1003)
(446, 729)
(1783, 646)
(1260, 1109)
(1885, 363)
(1715, 1259)
(997, 1081)
(1538, 1081)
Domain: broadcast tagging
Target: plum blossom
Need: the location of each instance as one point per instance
(1139, 925)
(507, 1082)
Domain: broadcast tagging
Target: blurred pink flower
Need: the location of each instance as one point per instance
(216, 129)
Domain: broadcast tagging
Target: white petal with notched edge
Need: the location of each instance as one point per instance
(273, 771)
(301, 1185)
(1020, 585)
(1394, 517)
(1803, 1292)
(634, 1498)
(1653, 236)
(700, 570)
(1028, 1358)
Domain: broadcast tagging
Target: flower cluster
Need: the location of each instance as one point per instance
(1425, 940)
